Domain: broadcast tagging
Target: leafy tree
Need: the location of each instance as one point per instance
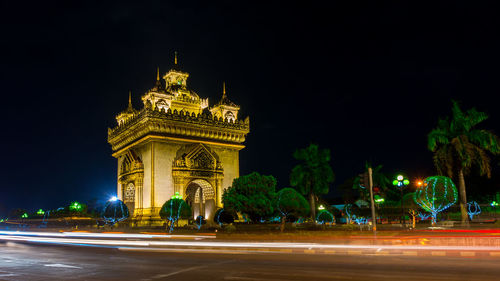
(173, 210)
(290, 203)
(458, 145)
(325, 216)
(313, 175)
(252, 195)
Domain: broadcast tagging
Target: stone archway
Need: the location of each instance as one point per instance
(200, 195)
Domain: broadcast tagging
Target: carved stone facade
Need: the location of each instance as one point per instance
(176, 143)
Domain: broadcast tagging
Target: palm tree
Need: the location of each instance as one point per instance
(458, 145)
(314, 175)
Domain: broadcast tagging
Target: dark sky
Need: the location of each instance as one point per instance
(366, 80)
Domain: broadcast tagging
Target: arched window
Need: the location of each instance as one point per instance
(130, 193)
(230, 116)
(162, 104)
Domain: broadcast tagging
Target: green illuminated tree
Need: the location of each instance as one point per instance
(115, 211)
(173, 210)
(437, 194)
(313, 175)
(252, 195)
(290, 203)
(458, 145)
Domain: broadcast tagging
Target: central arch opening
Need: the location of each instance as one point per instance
(200, 195)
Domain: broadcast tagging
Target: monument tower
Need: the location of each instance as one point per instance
(176, 143)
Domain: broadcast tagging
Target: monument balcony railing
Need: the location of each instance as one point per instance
(205, 119)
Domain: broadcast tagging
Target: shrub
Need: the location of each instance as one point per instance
(173, 210)
(253, 195)
(325, 216)
(222, 216)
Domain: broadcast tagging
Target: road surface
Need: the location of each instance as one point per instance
(29, 261)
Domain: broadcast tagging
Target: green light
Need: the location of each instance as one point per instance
(24, 216)
(321, 207)
(494, 204)
(1, 220)
(75, 206)
(378, 199)
(406, 182)
(40, 212)
(395, 182)
(176, 195)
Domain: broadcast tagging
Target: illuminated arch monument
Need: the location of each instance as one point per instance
(176, 143)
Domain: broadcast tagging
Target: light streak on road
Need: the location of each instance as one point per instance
(120, 241)
(101, 235)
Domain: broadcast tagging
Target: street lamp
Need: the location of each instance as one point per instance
(494, 204)
(401, 182)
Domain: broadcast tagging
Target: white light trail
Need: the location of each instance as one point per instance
(83, 239)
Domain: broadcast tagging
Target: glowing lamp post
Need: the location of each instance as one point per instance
(494, 204)
(401, 182)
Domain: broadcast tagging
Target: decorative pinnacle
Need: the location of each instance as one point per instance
(175, 57)
(158, 74)
(223, 90)
(130, 99)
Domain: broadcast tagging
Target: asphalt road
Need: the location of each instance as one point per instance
(49, 262)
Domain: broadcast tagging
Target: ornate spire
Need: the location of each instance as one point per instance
(129, 99)
(158, 85)
(224, 100)
(175, 57)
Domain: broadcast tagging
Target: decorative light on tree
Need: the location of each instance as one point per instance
(40, 212)
(24, 216)
(437, 194)
(361, 220)
(174, 209)
(423, 216)
(348, 212)
(115, 211)
(473, 209)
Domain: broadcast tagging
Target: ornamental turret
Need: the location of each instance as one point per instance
(175, 95)
(225, 108)
(128, 113)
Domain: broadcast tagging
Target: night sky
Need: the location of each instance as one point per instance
(366, 80)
